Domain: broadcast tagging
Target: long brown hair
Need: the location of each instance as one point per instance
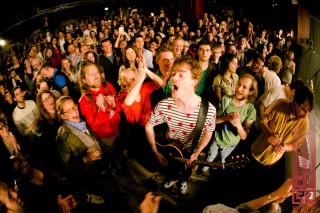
(45, 114)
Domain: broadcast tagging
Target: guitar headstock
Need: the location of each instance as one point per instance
(237, 161)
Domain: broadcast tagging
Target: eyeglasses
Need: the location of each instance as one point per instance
(47, 98)
(74, 108)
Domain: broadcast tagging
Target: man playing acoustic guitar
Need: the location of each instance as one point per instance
(180, 113)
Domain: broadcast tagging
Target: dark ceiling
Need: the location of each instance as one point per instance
(18, 20)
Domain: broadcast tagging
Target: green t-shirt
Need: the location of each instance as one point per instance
(225, 133)
(202, 83)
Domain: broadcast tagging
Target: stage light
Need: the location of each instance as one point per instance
(2, 42)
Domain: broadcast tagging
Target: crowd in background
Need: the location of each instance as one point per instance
(54, 76)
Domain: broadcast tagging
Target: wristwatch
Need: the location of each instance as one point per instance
(270, 197)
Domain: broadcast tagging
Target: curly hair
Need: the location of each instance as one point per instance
(195, 68)
(275, 63)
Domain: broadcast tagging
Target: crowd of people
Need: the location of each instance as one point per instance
(76, 99)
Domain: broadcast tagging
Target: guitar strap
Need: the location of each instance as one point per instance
(200, 123)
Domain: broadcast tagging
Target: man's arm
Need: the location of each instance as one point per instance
(205, 139)
(243, 131)
(65, 90)
(151, 136)
(33, 124)
(61, 82)
(277, 196)
(273, 137)
(151, 139)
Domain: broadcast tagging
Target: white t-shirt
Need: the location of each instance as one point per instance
(271, 95)
(271, 79)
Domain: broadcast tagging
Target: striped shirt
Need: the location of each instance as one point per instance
(181, 125)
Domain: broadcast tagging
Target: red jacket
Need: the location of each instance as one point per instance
(139, 112)
(99, 121)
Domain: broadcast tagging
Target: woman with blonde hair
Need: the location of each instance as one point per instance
(136, 105)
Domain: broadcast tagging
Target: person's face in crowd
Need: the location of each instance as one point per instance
(165, 62)
(270, 47)
(49, 53)
(130, 78)
(43, 86)
(131, 55)
(180, 34)
(139, 42)
(84, 49)
(91, 57)
(2, 89)
(142, 34)
(243, 43)
(177, 29)
(122, 44)
(291, 56)
(178, 47)
(61, 35)
(18, 95)
(92, 77)
(27, 64)
(89, 26)
(101, 35)
(106, 31)
(107, 47)
(65, 63)
(8, 97)
(3, 129)
(70, 111)
(233, 65)
(153, 45)
(48, 101)
(216, 53)
(171, 30)
(92, 34)
(151, 33)
(243, 88)
(171, 37)
(71, 48)
(186, 46)
(232, 50)
(10, 199)
(13, 74)
(182, 81)
(204, 52)
(75, 42)
(301, 110)
(68, 36)
(45, 73)
(257, 65)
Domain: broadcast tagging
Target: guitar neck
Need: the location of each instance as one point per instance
(202, 163)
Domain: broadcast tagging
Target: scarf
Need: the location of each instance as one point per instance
(81, 126)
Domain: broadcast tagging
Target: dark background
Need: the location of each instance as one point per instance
(19, 19)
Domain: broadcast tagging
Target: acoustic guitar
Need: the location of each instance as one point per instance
(178, 151)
